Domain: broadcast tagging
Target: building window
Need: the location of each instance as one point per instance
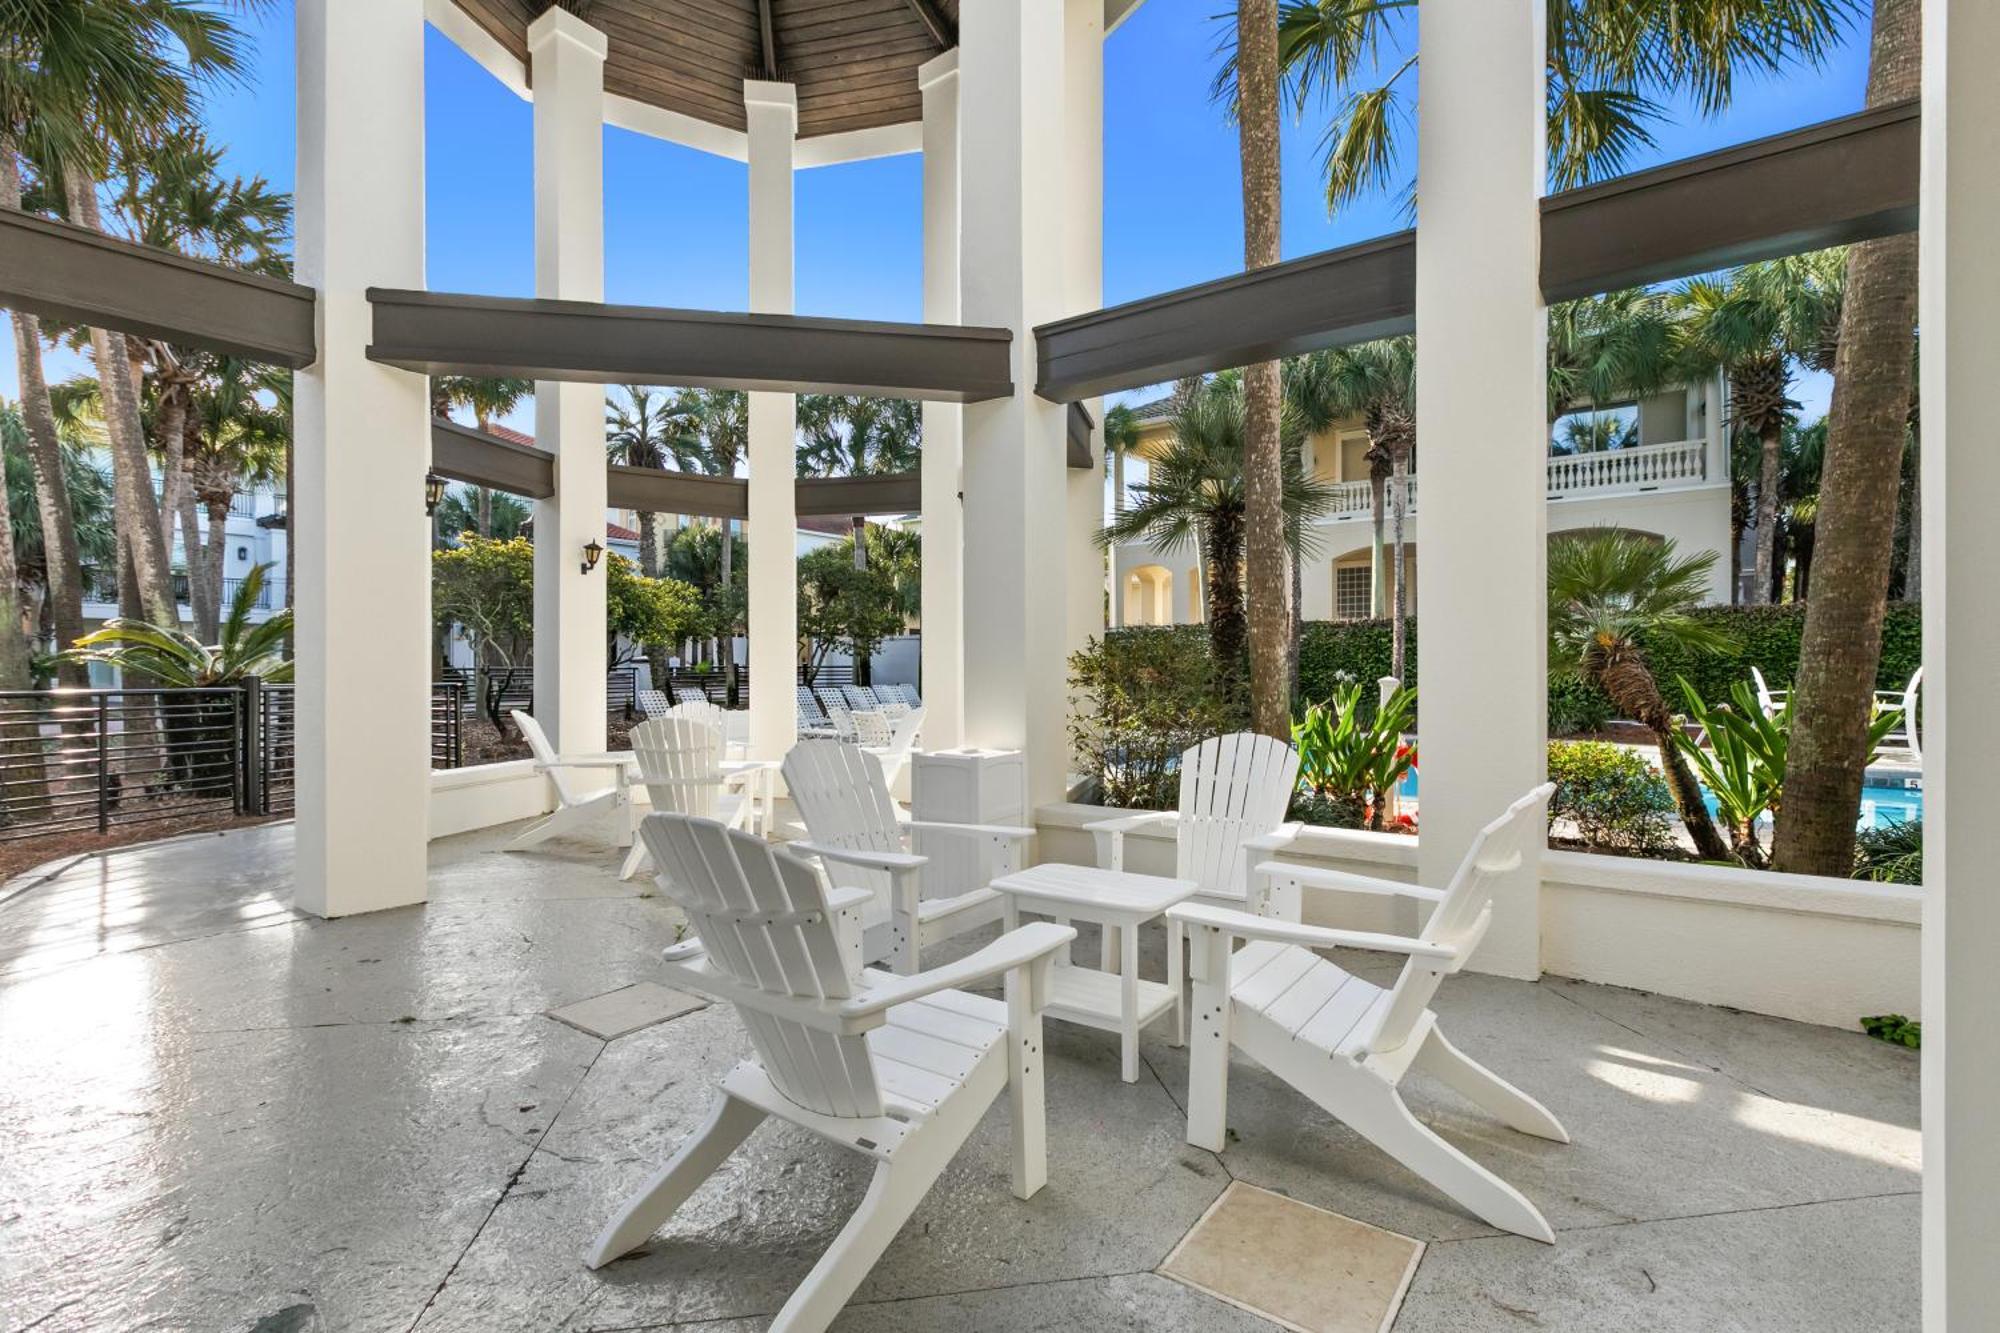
(1353, 592)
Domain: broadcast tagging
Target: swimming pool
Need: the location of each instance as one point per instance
(1885, 799)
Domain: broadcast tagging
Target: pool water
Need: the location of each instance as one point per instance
(1882, 804)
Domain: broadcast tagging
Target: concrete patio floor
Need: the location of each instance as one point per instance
(220, 1115)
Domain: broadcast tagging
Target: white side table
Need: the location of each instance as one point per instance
(1113, 1001)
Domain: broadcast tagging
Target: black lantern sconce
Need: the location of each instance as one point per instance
(591, 555)
(433, 493)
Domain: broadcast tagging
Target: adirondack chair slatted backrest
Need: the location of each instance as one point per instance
(654, 703)
(840, 792)
(538, 745)
(1461, 919)
(680, 761)
(1233, 788)
(702, 711)
(762, 917)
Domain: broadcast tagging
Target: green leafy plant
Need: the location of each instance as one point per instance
(1139, 698)
(1350, 761)
(1616, 800)
(1891, 854)
(1895, 1029)
(176, 659)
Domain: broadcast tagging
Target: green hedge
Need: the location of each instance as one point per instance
(1767, 638)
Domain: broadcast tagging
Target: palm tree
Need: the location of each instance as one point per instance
(635, 435)
(710, 430)
(1610, 594)
(843, 435)
(1377, 381)
(1268, 574)
(1756, 326)
(1193, 495)
(234, 437)
(89, 494)
(1618, 345)
(1867, 425)
(1611, 70)
(456, 514)
(486, 397)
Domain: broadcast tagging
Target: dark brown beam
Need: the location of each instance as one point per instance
(1338, 296)
(658, 491)
(1847, 180)
(1080, 426)
(464, 454)
(1831, 184)
(895, 493)
(436, 333)
(767, 40)
(79, 276)
(937, 25)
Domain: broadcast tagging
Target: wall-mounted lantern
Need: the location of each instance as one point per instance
(433, 493)
(591, 555)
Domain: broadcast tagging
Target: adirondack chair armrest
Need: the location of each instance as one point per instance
(1017, 948)
(1347, 881)
(1109, 834)
(854, 856)
(1011, 832)
(1243, 926)
(1276, 840)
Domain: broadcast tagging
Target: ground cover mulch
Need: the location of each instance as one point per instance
(24, 854)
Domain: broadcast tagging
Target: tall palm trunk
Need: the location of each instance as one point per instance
(1400, 570)
(1378, 501)
(1913, 539)
(59, 545)
(1770, 440)
(727, 646)
(1266, 554)
(1629, 683)
(131, 472)
(204, 597)
(1227, 630)
(213, 558)
(1867, 424)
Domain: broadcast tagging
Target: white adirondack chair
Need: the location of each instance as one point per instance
(898, 1069)
(680, 763)
(1234, 792)
(1347, 1043)
(852, 827)
(575, 808)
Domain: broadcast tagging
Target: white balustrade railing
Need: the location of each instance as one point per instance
(1652, 467)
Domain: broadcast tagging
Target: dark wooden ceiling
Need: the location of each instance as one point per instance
(854, 62)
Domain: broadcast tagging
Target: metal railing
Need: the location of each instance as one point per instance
(503, 689)
(101, 585)
(447, 724)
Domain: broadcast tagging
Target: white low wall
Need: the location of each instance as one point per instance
(1797, 946)
(463, 799)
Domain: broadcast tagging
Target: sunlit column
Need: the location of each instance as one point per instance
(1481, 340)
(944, 423)
(1016, 482)
(1960, 287)
(773, 118)
(1083, 284)
(362, 435)
(567, 57)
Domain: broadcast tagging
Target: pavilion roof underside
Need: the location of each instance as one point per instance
(853, 62)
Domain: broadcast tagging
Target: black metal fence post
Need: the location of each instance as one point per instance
(251, 771)
(104, 762)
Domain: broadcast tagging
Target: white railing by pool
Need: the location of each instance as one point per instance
(1655, 467)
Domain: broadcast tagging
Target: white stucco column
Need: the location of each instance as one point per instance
(567, 57)
(944, 423)
(1016, 591)
(1960, 287)
(773, 116)
(1481, 337)
(362, 432)
(1083, 290)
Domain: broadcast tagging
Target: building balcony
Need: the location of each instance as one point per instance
(1680, 465)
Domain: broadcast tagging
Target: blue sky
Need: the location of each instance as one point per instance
(675, 218)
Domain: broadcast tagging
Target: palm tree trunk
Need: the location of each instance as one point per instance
(170, 414)
(727, 646)
(131, 472)
(1769, 440)
(203, 596)
(1913, 540)
(1634, 692)
(1378, 500)
(1227, 631)
(59, 545)
(1399, 609)
(1840, 651)
(1269, 586)
(214, 555)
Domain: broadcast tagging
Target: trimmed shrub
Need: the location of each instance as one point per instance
(1139, 698)
(1891, 854)
(1617, 800)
